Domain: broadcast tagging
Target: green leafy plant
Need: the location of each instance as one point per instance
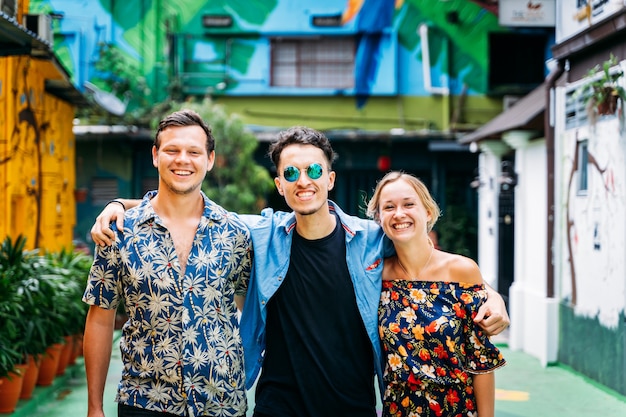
(40, 299)
(72, 269)
(604, 90)
(11, 309)
(119, 75)
(41, 322)
(457, 232)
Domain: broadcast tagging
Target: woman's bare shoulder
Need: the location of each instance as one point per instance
(463, 269)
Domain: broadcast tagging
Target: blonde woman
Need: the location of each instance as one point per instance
(438, 362)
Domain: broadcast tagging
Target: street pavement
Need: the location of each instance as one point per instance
(523, 389)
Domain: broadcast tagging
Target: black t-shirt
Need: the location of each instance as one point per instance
(318, 359)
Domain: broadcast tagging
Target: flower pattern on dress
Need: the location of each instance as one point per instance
(432, 347)
(181, 345)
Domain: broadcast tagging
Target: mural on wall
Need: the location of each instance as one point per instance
(373, 18)
(146, 34)
(36, 155)
(22, 157)
(465, 24)
(594, 205)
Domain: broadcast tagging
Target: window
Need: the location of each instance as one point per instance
(103, 190)
(583, 166)
(313, 63)
(576, 113)
(516, 62)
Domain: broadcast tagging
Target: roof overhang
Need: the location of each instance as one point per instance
(126, 132)
(16, 39)
(526, 114)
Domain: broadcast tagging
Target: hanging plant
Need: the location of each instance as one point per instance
(602, 94)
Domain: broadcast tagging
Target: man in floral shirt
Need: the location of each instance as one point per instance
(180, 265)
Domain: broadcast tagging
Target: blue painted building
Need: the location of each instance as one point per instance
(392, 83)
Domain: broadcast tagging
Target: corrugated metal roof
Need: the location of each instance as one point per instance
(16, 39)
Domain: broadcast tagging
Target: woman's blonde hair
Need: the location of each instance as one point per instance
(429, 203)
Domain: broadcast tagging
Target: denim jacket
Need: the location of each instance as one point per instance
(272, 233)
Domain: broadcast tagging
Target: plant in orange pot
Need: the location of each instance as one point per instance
(11, 341)
(30, 342)
(10, 373)
(34, 324)
(72, 268)
(48, 315)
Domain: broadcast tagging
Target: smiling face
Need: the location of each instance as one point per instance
(182, 159)
(305, 196)
(401, 212)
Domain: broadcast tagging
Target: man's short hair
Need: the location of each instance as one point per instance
(182, 118)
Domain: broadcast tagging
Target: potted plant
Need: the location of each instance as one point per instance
(602, 93)
(38, 292)
(72, 268)
(53, 313)
(38, 325)
(12, 341)
(10, 311)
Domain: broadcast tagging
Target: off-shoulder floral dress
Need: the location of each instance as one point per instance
(432, 347)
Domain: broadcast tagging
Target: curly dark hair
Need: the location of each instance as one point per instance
(301, 135)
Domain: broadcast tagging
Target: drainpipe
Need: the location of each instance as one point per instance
(549, 133)
(428, 84)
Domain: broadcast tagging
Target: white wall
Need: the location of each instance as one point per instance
(592, 225)
(534, 317)
(488, 193)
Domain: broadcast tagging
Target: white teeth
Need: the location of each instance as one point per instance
(305, 194)
(401, 226)
(182, 172)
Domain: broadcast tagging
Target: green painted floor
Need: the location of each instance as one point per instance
(523, 389)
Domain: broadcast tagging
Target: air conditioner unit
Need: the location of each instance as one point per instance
(8, 7)
(41, 25)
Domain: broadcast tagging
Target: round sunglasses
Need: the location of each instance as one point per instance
(314, 171)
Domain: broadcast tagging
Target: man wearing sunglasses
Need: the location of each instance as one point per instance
(309, 323)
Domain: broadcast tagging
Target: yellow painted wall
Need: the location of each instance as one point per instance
(37, 153)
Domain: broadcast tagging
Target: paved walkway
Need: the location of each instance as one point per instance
(523, 389)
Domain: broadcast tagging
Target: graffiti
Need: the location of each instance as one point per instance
(23, 156)
(593, 212)
(571, 236)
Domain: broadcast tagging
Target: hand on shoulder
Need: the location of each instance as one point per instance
(101, 232)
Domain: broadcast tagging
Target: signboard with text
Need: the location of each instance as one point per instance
(574, 16)
(535, 13)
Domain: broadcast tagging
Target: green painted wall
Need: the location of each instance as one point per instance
(593, 349)
(381, 113)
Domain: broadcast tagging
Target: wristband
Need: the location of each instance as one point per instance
(116, 201)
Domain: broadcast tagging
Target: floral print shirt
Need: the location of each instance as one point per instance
(432, 347)
(181, 346)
